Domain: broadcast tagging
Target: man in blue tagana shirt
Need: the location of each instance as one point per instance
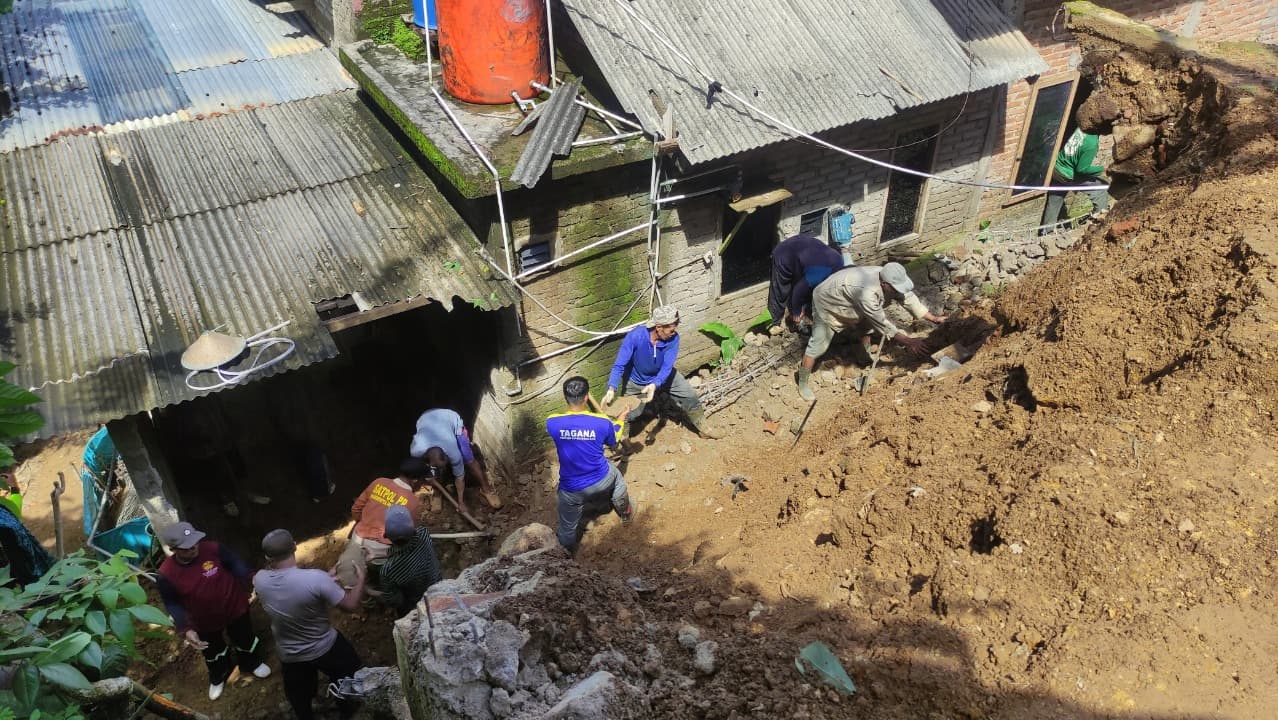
(645, 366)
(586, 478)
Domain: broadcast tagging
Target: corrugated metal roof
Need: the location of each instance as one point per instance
(558, 123)
(127, 74)
(817, 64)
(41, 206)
(121, 245)
(226, 88)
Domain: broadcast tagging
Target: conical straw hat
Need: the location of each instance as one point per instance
(211, 350)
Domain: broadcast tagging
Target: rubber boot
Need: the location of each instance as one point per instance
(805, 392)
(697, 418)
(623, 507)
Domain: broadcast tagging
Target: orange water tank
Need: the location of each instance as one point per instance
(490, 47)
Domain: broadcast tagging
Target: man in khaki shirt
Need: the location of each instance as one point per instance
(856, 295)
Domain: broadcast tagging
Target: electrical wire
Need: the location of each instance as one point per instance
(796, 132)
(259, 343)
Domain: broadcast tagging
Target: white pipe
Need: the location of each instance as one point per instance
(550, 36)
(574, 346)
(596, 108)
(699, 193)
(527, 293)
(610, 139)
(501, 207)
(578, 251)
(656, 227)
(673, 181)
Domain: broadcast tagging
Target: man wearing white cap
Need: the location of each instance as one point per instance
(854, 295)
(205, 588)
(646, 365)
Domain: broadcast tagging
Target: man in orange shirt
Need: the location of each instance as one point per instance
(369, 509)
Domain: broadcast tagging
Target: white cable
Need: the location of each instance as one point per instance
(259, 343)
(831, 146)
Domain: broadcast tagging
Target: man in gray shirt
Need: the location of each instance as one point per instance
(856, 295)
(297, 601)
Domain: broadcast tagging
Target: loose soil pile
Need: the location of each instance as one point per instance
(1077, 523)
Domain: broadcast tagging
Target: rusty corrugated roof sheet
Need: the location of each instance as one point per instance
(817, 64)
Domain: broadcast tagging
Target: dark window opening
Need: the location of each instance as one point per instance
(916, 150)
(812, 223)
(337, 307)
(533, 254)
(1049, 112)
(748, 258)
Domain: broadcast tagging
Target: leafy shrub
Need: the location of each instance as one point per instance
(75, 624)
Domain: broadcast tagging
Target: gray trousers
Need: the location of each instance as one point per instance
(1056, 200)
(595, 500)
(683, 394)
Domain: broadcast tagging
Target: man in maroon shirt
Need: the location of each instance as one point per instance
(205, 588)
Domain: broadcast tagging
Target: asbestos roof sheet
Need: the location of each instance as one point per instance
(817, 65)
(225, 88)
(558, 122)
(54, 192)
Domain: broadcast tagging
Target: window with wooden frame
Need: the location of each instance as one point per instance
(1045, 119)
(903, 210)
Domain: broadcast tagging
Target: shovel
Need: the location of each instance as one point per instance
(864, 381)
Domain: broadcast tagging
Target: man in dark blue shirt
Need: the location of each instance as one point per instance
(645, 363)
(799, 264)
(586, 478)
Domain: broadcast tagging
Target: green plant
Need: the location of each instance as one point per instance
(729, 341)
(16, 417)
(75, 623)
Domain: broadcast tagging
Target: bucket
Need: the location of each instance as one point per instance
(424, 14)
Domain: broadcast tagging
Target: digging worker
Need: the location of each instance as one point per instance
(443, 429)
(298, 600)
(856, 295)
(411, 565)
(799, 264)
(646, 361)
(586, 478)
(204, 587)
(1076, 162)
(368, 538)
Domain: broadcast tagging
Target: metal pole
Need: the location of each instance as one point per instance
(59, 487)
(596, 108)
(550, 36)
(610, 139)
(698, 193)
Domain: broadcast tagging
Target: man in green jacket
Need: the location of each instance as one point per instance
(1076, 165)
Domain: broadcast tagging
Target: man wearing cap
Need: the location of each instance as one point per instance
(204, 587)
(369, 509)
(585, 476)
(444, 430)
(856, 295)
(297, 600)
(646, 364)
(411, 565)
(799, 263)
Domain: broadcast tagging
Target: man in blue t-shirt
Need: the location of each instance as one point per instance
(645, 365)
(586, 478)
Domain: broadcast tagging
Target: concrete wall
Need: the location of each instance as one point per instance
(597, 289)
(334, 20)
(1043, 23)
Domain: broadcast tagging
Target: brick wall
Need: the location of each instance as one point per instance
(1042, 22)
(596, 289)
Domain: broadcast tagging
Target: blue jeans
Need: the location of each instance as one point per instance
(595, 500)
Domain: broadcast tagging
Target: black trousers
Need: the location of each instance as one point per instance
(221, 657)
(301, 679)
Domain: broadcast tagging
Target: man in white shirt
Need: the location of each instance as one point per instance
(856, 295)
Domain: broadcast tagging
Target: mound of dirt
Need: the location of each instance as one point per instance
(1079, 522)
